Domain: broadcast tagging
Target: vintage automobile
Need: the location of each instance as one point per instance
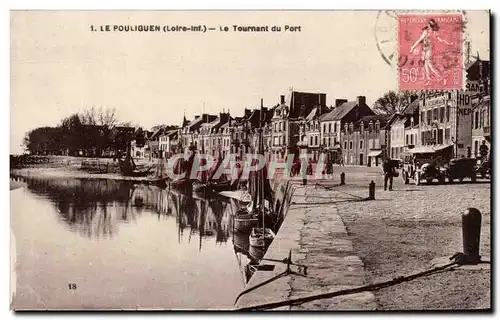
(461, 168)
(423, 165)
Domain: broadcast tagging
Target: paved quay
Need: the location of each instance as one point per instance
(346, 241)
(317, 238)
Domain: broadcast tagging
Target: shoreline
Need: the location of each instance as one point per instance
(61, 172)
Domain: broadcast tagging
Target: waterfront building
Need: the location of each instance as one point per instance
(364, 140)
(404, 130)
(334, 125)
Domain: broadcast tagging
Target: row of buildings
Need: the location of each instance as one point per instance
(349, 132)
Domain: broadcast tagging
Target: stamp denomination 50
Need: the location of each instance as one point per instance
(430, 51)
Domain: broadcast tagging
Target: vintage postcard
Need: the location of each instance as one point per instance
(250, 160)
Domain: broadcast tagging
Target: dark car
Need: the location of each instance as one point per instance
(461, 168)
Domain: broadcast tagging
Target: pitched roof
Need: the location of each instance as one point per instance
(339, 112)
(157, 133)
(411, 108)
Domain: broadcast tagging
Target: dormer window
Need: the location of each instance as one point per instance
(351, 128)
(377, 126)
(346, 126)
(370, 126)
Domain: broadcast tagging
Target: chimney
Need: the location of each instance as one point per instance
(361, 100)
(282, 99)
(248, 112)
(339, 102)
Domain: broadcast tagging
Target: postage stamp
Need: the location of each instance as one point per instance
(430, 51)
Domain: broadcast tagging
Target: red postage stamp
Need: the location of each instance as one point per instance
(430, 51)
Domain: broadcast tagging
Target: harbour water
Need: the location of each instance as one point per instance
(82, 243)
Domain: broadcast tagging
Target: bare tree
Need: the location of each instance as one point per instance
(392, 102)
(107, 117)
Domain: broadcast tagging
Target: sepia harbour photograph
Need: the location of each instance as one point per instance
(250, 160)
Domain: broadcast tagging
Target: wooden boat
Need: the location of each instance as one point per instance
(211, 188)
(261, 237)
(244, 221)
(261, 190)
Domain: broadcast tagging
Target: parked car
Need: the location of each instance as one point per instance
(461, 168)
(422, 166)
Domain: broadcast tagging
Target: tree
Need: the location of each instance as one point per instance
(393, 102)
(71, 134)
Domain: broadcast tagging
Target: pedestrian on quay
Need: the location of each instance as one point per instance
(388, 173)
(483, 150)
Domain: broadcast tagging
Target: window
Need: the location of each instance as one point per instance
(361, 144)
(310, 141)
(329, 127)
(476, 119)
(316, 140)
(350, 145)
(411, 139)
(448, 109)
(329, 141)
(335, 127)
(476, 148)
(435, 114)
(407, 139)
(324, 127)
(377, 126)
(429, 117)
(422, 116)
(345, 145)
(324, 141)
(441, 114)
(377, 144)
(447, 134)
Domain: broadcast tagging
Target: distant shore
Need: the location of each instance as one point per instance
(68, 167)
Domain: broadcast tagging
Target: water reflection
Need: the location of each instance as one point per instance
(96, 208)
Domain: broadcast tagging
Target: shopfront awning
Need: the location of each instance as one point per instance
(426, 149)
(375, 153)
(442, 147)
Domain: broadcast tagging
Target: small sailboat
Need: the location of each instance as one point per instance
(261, 236)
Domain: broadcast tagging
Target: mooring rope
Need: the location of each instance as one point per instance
(458, 259)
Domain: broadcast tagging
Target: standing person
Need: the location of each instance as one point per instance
(388, 173)
(483, 150)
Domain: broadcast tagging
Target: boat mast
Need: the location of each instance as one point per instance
(261, 175)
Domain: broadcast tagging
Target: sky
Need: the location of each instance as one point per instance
(60, 67)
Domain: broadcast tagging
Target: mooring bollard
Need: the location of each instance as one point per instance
(342, 178)
(471, 232)
(371, 190)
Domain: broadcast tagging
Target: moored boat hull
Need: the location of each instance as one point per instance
(261, 238)
(245, 222)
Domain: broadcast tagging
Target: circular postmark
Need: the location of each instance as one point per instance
(387, 42)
